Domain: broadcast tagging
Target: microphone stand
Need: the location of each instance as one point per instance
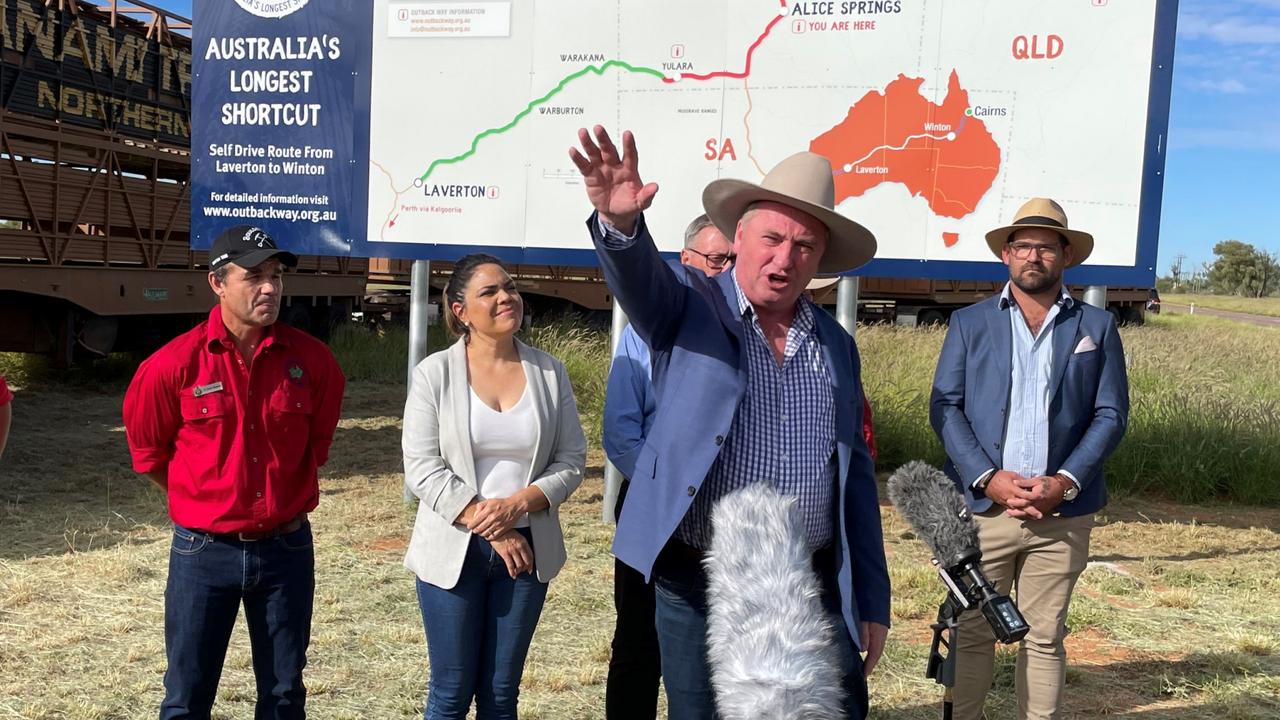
(942, 666)
(967, 588)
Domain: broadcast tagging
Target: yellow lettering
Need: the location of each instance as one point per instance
(137, 50)
(72, 101)
(104, 59)
(92, 105)
(73, 43)
(164, 122)
(130, 116)
(31, 24)
(45, 97)
(147, 117)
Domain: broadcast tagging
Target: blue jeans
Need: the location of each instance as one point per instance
(209, 578)
(478, 635)
(680, 589)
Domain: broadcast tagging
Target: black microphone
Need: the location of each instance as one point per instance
(932, 506)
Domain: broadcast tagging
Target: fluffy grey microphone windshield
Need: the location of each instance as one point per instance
(932, 506)
(769, 641)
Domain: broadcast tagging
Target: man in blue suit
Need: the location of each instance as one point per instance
(753, 384)
(635, 666)
(1029, 399)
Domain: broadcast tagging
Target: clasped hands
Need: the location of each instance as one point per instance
(1027, 497)
(494, 520)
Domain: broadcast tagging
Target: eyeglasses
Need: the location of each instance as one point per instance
(1024, 251)
(715, 260)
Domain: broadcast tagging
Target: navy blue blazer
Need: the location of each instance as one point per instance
(694, 330)
(1088, 407)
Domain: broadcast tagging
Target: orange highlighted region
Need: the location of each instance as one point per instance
(938, 152)
(950, 239)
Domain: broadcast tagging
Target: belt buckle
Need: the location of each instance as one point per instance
(249, 537)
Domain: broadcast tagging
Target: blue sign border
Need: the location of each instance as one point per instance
(1141, 274)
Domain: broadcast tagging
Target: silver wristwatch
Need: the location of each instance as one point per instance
(1072, 490)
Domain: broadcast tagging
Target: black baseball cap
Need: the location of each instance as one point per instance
(246, 246)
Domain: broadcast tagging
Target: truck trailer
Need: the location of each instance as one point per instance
(95, 135)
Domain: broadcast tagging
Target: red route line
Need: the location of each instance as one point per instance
(747, 69)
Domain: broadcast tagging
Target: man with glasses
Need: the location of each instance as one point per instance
(705, 247)
(1029, 399)
(631, 690)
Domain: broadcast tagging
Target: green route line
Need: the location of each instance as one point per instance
(597, 69)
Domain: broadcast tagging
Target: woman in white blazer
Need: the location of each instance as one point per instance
(492, 447)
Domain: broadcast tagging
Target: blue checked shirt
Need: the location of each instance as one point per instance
(784, 431)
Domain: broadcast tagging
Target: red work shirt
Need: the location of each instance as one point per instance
(241, 443)
(6, 397)
(868, 431)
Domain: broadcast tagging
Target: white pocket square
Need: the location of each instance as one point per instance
(1085, 345)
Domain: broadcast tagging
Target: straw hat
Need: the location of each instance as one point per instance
(804, 182)
(1047, 214)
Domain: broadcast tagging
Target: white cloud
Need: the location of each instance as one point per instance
(1230, 30)
(1229, 86)
(1261, 138)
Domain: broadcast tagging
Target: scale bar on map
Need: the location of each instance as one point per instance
(449, 19)
(560, 175)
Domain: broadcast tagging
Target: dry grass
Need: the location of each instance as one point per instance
(1254, 306)
(1177, 618)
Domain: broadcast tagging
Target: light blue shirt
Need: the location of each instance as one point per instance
(1026, 433)
(628, 402)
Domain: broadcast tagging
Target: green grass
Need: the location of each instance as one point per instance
(1205, 395)
(381, 355)
(1254, 306)
(1204, 421)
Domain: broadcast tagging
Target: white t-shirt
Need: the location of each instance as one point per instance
(503, 444)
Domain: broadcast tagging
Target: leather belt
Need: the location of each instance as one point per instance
(283, 529)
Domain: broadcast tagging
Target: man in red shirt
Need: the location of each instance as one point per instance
(6, 413)
(232, 419)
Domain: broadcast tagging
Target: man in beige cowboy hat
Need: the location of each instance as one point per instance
(754, 384)
(1029, 399)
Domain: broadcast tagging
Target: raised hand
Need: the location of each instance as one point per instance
(612, 178)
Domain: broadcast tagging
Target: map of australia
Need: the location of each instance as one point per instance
(940, 152)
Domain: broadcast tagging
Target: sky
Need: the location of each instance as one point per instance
(1222, 171)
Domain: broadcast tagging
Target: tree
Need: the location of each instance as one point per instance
(1268, 272)
(1242, 269)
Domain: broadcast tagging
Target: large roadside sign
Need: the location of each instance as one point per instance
(430, 128)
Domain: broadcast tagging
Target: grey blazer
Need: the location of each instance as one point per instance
(439, 468)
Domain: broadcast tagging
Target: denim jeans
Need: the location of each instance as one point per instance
(209, 578)
(680, 589)
(478, 635)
